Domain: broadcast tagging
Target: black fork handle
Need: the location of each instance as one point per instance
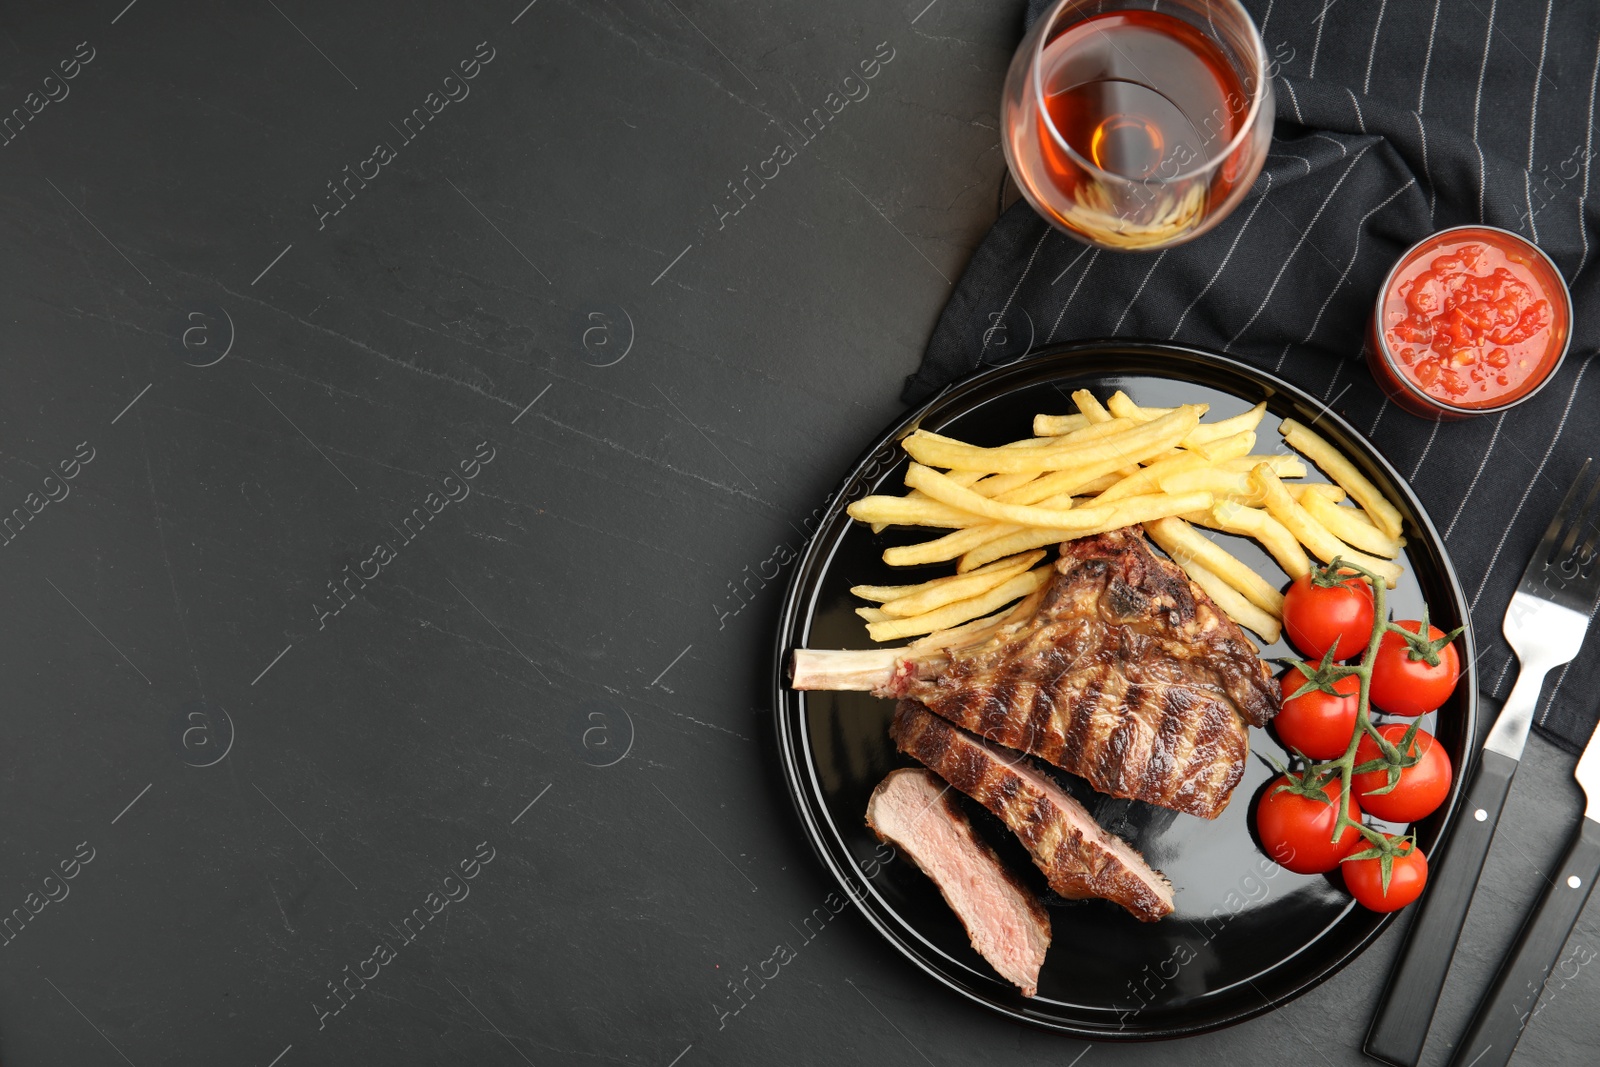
(1509, 1005)
(1406, 1009)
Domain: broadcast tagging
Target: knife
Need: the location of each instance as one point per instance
(1508, 1006)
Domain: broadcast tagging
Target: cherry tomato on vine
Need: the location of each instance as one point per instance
(1319, 617)
(1317, 724)
(1297, 830)
(1422, 786)
(1404, 681)
(1364, 877)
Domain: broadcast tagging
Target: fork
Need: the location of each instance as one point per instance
(1545, 625)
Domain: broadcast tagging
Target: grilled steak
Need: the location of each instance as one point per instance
(1078, 858)
(1127, 675)
(1007, 924)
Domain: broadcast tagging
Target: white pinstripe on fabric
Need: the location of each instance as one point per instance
(1069, 266)
(1383, 407)
(1422, 96)
(1372, 53)
(1290, 155)
(1538, 473)
(1086, 269)
(1295, 100)
(1266, 18)
(1427, 57)
(1361, 228)
(1316, 46)
(1361, 122)
(1493, 439)
(1426, 449)
(1427, 175)
(1477, 106)
(1588, 154)
(1147, 276)
(1343, 151)
(1229, 255)
(1296, 249)
(1020, 279)
(1533, 120)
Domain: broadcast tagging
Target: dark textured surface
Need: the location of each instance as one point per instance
(575, 610)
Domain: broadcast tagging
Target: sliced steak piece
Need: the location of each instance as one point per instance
(1008, 926)
(1127, 675)
(1078, 857)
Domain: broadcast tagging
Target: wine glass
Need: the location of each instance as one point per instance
(1138, 125)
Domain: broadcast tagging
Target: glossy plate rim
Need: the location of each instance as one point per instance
(794, 617)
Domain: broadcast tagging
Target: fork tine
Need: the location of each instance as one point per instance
(1590, 519)
(1552, 536)
(1576, 523)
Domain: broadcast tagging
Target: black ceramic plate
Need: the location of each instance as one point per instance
(1246, 935)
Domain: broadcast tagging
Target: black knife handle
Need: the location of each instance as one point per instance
(1505, 1010)
(1400, 1026)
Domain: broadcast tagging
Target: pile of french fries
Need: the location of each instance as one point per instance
(1104, 467)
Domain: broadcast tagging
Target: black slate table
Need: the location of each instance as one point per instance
(409, 412)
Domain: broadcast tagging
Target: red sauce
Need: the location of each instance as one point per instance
(1475, 320)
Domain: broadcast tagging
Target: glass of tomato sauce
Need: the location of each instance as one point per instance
(1470, 321)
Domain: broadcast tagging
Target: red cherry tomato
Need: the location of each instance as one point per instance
(1317, 724)
(1422, 786)
(1364, 879)
(1405, 686)
(1298, 830)
(1321, 617)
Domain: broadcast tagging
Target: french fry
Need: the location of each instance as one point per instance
(1283, 466)
(1220, 483)
(962, 610)
(1099, 485)
(1343, 472)
(901, 511)
(952, 588)
(961, 477)
(1180, 541)
(979, 630)
(1351, 526)
(1126, 512)
(885, 593)
(1233, 605)
(874, 614)
(1215, 431)
(1148, 479)
(1091, 408)
(1056, 425)
(1123, 407)
(1053, 513)
(1233, 446)
(1311, 533)
(1332, 493)
(1055, 484)
(948, 547)
(1235, 518)
(1124, 447)
(993, 485)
